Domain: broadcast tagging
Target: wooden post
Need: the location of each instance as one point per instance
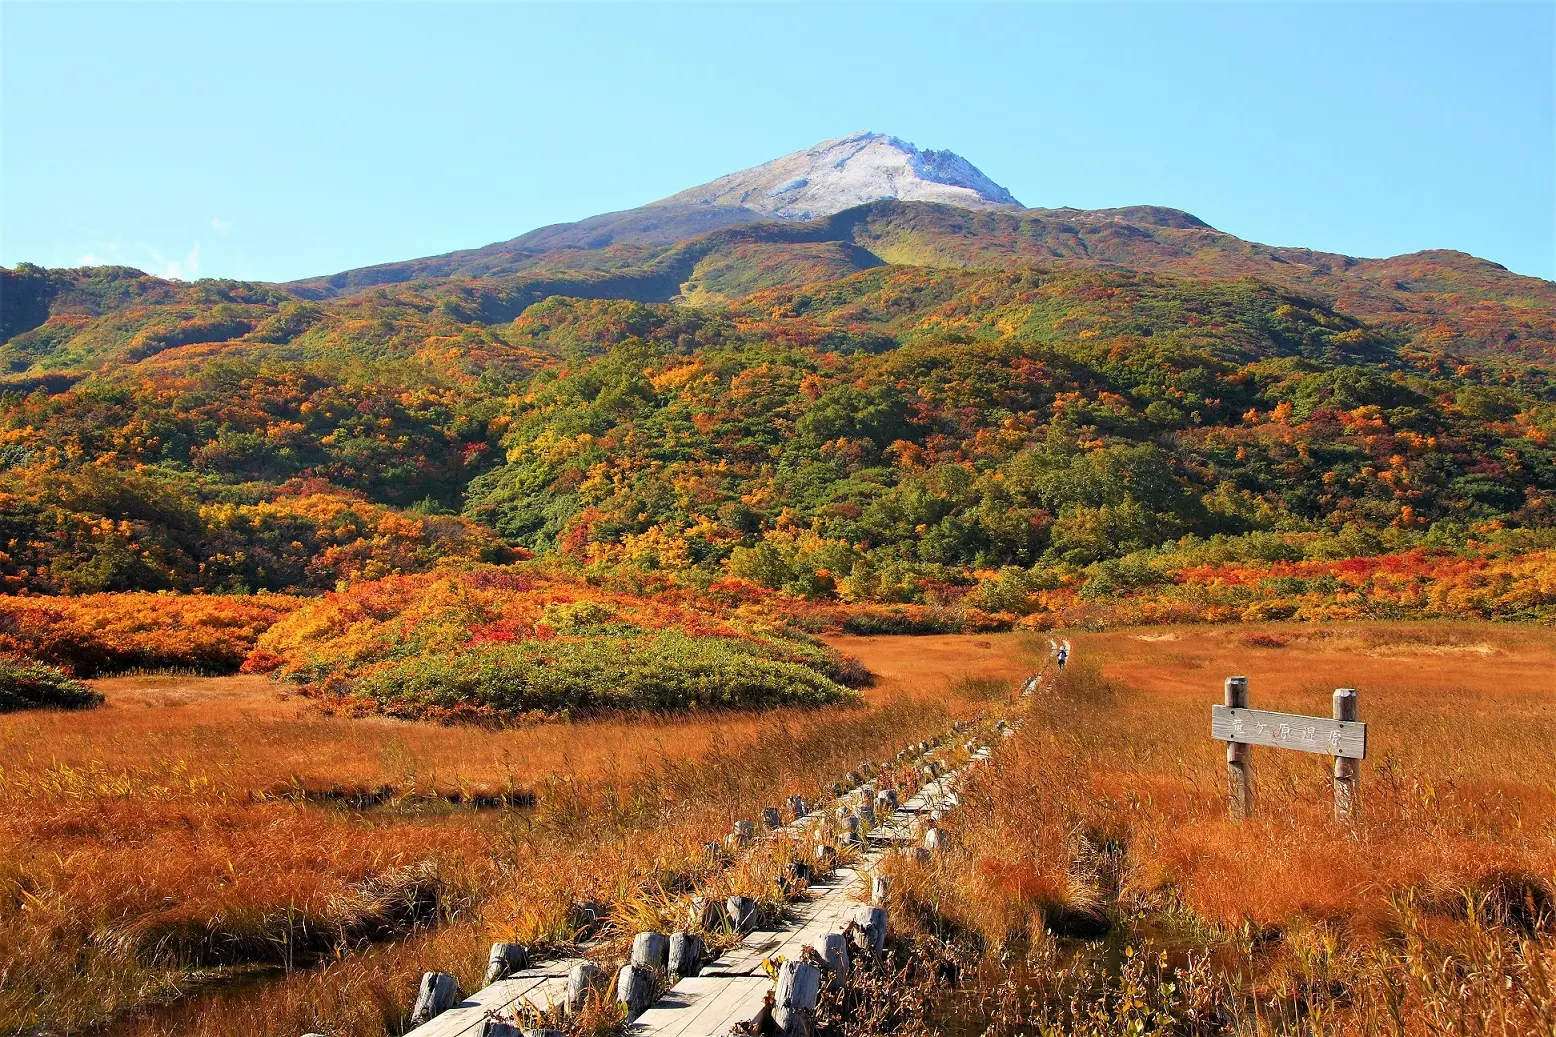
(685, 954)
(870, 929)
(708, 914)
(880, 886)
(652, 951)
(500, 1029)
(438, 990)
(504, 960)
(832, 948)
(1239, 769)
(586, 917)
(585, 979)
(635, 989)
(936, 840)
(850, 831)
(1347, 772)
(741, 912)
(794, 1005)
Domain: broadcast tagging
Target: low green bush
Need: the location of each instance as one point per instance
(25, 684)
(659, 671)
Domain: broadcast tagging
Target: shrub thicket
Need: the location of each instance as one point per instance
(666, 670)
(25, 684)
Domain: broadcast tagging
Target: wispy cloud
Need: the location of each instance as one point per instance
(220, 225)
(145, 257)
(185, 269)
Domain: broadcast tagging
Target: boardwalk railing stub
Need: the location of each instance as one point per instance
(1343, 738)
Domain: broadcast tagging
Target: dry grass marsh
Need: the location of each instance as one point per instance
(1098, 882)
(223, 848)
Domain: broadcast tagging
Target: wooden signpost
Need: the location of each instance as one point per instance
(1344, 738)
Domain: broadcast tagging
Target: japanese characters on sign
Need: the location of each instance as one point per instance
(1343, 738)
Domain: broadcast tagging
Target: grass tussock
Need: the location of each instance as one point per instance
(498, 645)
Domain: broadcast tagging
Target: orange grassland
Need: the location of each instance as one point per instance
(183, 833)
(1432, 914)
(1460, 778)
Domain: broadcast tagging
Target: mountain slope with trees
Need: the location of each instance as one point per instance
(893, 436)
(757, 396)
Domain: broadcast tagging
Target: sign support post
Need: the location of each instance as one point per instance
(1239, 768)
(1347, 771)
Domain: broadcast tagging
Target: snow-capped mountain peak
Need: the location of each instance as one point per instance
(839, 174)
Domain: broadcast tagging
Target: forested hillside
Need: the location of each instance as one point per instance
(862, 427)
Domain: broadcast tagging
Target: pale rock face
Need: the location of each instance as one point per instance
(839, 174)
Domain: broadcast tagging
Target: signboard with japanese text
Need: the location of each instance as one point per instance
(1343, 738)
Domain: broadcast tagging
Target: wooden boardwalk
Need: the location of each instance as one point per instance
(706, 1004)
(543, 986)
(735, 988)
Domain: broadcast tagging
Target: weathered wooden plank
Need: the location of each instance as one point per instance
(831, 915)
(542, 987)
(829, 906)
(746, 957)
(794, 941)
(1343, 738)
(704, 1007)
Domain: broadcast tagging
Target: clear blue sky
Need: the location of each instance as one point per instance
(280, 141)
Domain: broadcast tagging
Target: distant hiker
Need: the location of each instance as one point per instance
(1062, 655)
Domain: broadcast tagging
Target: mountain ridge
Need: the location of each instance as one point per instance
(1452, 300)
